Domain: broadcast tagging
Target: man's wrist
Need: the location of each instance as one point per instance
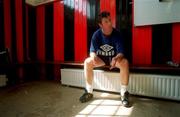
(93, 55)
(119, 56)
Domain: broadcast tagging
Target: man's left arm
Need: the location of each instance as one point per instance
(119, 57)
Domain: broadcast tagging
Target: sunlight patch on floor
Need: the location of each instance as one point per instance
(105, 108)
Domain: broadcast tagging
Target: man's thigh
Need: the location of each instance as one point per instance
(98, 62)
(121, 63)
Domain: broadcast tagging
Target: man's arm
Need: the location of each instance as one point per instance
(119, 56)
(93, 54)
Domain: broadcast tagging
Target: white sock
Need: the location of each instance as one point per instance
(89, 88)
(123, 89)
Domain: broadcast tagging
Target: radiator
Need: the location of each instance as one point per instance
(3, 80)
(160, 86)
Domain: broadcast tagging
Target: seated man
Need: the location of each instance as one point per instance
(106, 49)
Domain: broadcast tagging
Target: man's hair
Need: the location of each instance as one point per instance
(103, 14)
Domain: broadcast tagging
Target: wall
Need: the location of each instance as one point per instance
(162, 12)
(155, 44)
(41, 34)
(33, 33)
(62, 31)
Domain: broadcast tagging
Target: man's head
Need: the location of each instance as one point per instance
(104, 21)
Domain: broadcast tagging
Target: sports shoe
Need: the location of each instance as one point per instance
(125, 99)
(86, 97)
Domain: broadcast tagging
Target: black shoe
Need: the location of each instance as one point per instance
(86, 97)
(125, 99)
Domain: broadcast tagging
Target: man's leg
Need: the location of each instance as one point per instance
(123, 65)
(89, 65)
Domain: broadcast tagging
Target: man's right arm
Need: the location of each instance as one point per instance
(93, 54)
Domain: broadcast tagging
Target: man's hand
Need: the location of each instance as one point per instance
(114, 60)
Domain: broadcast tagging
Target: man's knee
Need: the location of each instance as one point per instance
(88, 61)
(123, 63)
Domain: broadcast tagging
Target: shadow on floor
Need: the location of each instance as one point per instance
(45, 98)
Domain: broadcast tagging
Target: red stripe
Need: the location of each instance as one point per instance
(58, 36)
(7, 22)
(176, 42)
(40, 24)
(58, 31)
(80, 41)
(141, 43)
(76, 29)
(103, 5)
(19, 30)
(84, 41)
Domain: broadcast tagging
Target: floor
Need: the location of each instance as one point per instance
(46, 98)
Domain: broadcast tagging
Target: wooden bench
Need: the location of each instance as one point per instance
(4, 61)
(150, 69)
(5, 67)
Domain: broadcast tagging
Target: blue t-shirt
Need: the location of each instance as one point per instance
(107, 47)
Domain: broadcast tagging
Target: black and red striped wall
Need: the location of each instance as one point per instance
(61, 31)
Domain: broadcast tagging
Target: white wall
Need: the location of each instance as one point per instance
(149, 12)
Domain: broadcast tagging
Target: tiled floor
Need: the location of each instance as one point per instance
(51, 99)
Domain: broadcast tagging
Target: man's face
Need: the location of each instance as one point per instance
(106, 25)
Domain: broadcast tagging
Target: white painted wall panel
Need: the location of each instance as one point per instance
(149, 12)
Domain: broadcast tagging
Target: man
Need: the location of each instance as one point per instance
(106, 49)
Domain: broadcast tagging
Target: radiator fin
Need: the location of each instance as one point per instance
(162, 86)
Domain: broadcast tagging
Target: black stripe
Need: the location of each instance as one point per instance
(49, 32)
(93, 9)
(49, 40)
(119, 12)
(161, 43)
(32, 33)
(2, 44)
(124, 24)
(24, 28)
(123, 13)
(68, 30)
(50, 72)
(13, 32)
